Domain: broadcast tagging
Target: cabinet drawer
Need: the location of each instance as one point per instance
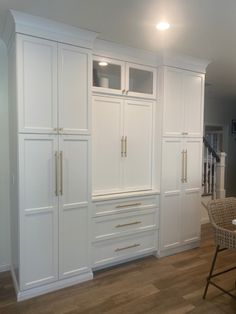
(124, 205)
(119, 224)
(121, 249)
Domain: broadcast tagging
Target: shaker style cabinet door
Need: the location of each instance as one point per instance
(38, 209)
(138, 145)
(107, 144)
(74, 84)
(73, 205)
(36, 84)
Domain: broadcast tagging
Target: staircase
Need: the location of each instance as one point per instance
(213, 176)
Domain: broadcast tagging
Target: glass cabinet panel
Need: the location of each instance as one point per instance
(106, 75)
(140, 81)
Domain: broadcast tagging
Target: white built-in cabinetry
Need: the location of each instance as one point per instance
(182, 108)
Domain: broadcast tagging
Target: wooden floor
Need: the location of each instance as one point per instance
(170, 285)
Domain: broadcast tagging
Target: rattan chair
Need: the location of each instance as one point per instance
(221, 213)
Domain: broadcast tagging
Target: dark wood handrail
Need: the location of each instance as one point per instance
(211, 149)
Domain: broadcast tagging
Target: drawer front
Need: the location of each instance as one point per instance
(121, 249)
(120, 224)
(124, 205)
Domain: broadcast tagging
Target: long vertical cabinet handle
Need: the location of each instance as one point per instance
(186, 166)
(126, 145)
(182, 174)
(56, 173)
(61, 172)
(122, 146)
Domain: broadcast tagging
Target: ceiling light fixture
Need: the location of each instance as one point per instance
(103, 63)
(163, 26)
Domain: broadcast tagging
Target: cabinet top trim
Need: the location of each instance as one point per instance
(19, 22)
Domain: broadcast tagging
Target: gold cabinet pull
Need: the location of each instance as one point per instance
(127, 247)
(129, 224)
(126, 146)
(61, 172)
(186, 166)
(123, 91)
(56, 174)
(122, 146)
(128, 205)
(127, 92)
(182, 174)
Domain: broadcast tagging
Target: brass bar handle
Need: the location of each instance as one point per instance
(123, 91)
(128, 205)
(122, 146)
(129, 224)
(126, 146)
(182, 174)
(127, 92)
(56, 174)
(186, 166)
(127, 247)
(61, 172)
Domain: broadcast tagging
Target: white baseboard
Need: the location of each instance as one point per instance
(60, 284)
(4, 268)
(178, 249)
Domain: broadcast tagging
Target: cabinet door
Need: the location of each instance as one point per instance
(74, 201)
(38, 210)
(37, 84)
(74, 89)
(107, 135)
(173, 111)
(140, 81)
(193, 93)
(108, 75)
(172, 176)
(137, 160)
(192, 190)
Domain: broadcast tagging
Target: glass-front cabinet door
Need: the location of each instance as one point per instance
(108, 75)
(140, 81)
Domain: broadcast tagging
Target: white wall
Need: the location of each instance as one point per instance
(4, 164)
(220, 112)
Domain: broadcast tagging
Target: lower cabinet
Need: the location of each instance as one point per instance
(124, 229)
(54, 202)
(181, 194)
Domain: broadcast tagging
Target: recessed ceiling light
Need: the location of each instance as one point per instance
(103, 63)
(163, 26)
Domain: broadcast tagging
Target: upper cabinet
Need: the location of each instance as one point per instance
(123, 78)
(183, 100)
(54, 83)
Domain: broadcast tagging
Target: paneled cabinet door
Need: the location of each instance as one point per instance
(74, 75)
(107, 144)
(36, 84)
(73, 205)
(137, 157)
(38, 210)
(171, 202)
(192, 190)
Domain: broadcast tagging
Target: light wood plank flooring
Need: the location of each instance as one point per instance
(170, 285)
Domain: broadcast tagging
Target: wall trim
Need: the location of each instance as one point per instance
(4, 268)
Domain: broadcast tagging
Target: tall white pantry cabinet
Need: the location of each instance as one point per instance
(105, 163)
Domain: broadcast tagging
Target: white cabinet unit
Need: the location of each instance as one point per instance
(181, 188)
(54, 81)
(122, 145)
(183, 98)
(123, 78)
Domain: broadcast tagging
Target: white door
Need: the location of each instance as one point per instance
(192, 190)
(74, 201)
(37, 84)
(173, 111)
(38, 210)
(171, 202)
(107, 141)
(74, 89)
(137, 158)
(193, 93)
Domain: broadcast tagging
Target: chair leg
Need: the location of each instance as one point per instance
(211, 271)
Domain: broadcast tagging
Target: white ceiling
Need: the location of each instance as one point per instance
(200, 28)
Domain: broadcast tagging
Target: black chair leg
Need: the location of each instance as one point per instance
(211, 271)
